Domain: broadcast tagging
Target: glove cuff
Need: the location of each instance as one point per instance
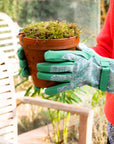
(104, 76)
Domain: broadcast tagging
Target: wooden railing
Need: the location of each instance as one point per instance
(85, 125)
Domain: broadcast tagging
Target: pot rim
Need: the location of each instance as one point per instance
(49, 39)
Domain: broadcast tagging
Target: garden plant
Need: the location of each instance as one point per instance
(37, 38)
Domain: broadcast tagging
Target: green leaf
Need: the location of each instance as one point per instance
(78, 90)
(56, 97)
(63, 97)
(19, 73)
(86, 39)
(74, 100)
(21, 82)
(95, 97)
(34, 93)
(39, 91)
(48, 97)
(69, 100)
(28, 90)
(74, 96)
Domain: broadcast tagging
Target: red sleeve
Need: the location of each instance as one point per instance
(104, 39)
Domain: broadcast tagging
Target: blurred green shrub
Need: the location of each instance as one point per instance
(23, 11)
(12, 8)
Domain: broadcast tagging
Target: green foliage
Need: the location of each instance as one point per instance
(25, 12)
(98, 98)
(12, 8)
(42, 10)
(21, 82)
(51, 30)
(37, 10)
(106, 5)
(69, 97)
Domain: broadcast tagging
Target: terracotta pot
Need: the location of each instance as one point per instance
(34, 51)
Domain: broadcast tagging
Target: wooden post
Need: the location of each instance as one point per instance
(85, 128)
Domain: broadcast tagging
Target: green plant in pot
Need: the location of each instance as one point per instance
(40, 37)
(35, 40)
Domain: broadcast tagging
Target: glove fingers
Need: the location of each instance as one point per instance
(20, 53)
(62, 56)
(58, 89)
(25, 72)
(65, 77)
(23, 63)
(55, 67)
(55, 56)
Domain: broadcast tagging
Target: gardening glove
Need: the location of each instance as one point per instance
(77, 68)
(23, 63)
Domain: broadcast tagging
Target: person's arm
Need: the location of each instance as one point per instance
(104, 39)
(76, 68)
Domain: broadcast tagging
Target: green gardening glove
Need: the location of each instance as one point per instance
(75, 69)
(23, 63)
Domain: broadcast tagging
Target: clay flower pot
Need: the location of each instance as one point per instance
(34, 50)
(36, 46)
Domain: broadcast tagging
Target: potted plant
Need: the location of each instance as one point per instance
(40, 37)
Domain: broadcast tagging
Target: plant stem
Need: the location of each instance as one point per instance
(58, 125)
(65, 127)
(21, 82)
(53, 123)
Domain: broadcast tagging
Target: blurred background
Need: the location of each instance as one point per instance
(88, 14)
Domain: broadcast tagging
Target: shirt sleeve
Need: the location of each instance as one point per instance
(104, 39)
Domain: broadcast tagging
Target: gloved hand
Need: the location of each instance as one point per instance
(22, 62)
(77, 68)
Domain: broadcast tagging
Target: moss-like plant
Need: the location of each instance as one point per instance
(51, 30)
